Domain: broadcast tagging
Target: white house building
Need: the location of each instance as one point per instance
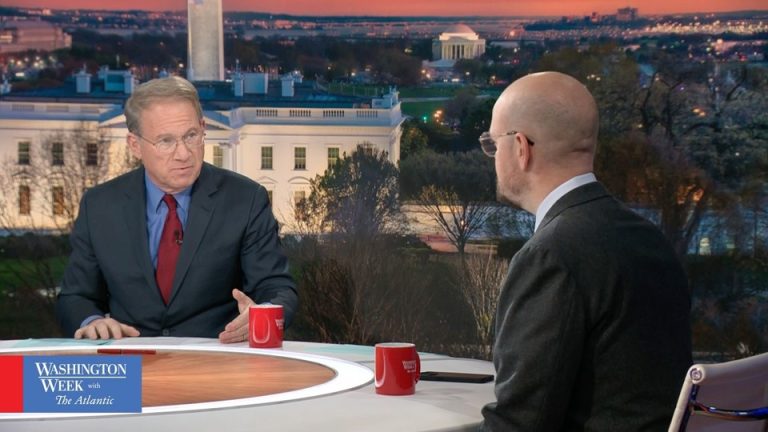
(280, 133)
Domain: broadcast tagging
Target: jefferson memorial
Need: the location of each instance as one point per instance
(457, 42)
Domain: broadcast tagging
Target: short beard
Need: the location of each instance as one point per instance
(510, 198)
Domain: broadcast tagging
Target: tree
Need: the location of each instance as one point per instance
(357, 197)
(51, 178)
(457, 108)
(480, 283)
(48, 180)
(703, 125)
(360, 295)
(397, 67)
(358, 289)
(475, 122)
(682, 142)
(31, 266)
(440, 138)
(246, 52)
(455, 190)
(470, 113)
(413, 139)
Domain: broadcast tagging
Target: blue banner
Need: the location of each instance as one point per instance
(93, 384)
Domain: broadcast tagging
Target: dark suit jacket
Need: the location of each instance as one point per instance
(230, 241)
(592, 328)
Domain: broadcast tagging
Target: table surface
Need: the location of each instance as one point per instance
(436, 406)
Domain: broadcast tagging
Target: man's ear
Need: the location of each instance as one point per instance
(133, 145)
(522, 152)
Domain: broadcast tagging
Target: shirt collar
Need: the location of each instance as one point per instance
(559, 192)
(155, 195)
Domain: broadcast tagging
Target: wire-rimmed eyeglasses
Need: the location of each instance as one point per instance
(192, 139)
(488, 141)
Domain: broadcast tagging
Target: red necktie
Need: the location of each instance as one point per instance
(168, 251)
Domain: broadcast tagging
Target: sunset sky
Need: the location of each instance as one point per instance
(417, 7)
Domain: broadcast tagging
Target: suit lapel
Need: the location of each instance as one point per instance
(201, 208)
(134, 212)
(578, 196)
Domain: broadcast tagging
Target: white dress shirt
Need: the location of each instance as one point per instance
(559, 192)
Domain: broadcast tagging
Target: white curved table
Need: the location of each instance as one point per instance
(436, 406)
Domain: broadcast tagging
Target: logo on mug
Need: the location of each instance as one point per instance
(280, 323)
(409, 366)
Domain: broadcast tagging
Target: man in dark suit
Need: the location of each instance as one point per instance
(177, 247)
(592, 326)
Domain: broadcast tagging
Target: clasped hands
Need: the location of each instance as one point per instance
(110, 328)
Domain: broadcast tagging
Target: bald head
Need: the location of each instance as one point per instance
(556, 112)
(556, 121)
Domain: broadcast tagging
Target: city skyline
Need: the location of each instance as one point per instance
(418, 7)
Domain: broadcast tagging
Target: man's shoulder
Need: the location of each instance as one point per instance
(578, 220)
(124, 182)
(580, 229)
(602, 226)
(224, 178)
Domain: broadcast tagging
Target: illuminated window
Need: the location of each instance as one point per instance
(218, 157)
(705, 248)
(25, 206)
(366, 147)
(91, 154)
(57, 193)
(333, 156)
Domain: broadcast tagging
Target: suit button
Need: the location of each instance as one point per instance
(166, 332)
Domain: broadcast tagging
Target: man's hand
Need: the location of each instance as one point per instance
(237, 330)
(106, 328)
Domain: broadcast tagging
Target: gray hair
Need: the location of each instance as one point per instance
(155, 90)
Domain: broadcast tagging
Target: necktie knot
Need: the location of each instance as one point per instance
(170, 201)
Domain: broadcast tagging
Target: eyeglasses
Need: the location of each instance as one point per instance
(192, 139)
(488, 142)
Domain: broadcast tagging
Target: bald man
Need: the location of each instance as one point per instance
(592, 327)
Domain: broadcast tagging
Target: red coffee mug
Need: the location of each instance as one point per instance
(397, 368)
(265, 326)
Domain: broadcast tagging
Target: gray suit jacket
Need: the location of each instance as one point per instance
(230, 241)
(592, 328)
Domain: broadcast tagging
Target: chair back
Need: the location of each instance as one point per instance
(724, 397)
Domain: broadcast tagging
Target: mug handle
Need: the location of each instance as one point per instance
(418, 369)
